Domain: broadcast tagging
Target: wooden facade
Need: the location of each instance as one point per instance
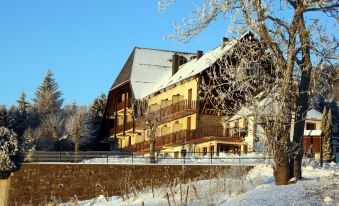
(188, 120)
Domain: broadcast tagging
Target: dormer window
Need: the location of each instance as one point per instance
(310, 126)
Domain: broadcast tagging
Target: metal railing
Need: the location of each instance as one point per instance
(182, 136)
(181, 157)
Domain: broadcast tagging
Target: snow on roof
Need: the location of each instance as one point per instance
(150, 70)
(312, 132)
(195, 66)
(150, 66)
(242, 113)
(314, 114)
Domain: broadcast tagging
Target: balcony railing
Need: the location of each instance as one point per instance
(120, 128)
(176, 110)
(185, 136)
(178, 107)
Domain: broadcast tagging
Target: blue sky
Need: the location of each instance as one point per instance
(84, 42)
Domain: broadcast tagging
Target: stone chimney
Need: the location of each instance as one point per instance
(175, 63)
(225, 40)
(199, 54)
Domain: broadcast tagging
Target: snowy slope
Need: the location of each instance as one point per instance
(319, 187)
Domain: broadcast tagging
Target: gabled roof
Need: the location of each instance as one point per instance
(150, 70)
(125, 72)
(145, 68)
(313, 114)
(196, 66)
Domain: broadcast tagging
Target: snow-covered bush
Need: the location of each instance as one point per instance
(8, 149)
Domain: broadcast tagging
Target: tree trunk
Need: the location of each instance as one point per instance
(152, 146)
(76, 150)
(281, 170)
(302, 103)
(76, 147)
(297, 164)
(279, 150)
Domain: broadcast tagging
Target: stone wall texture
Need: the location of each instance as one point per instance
(34, 184)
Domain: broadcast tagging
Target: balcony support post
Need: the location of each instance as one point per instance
(125, 102)
(116, 119)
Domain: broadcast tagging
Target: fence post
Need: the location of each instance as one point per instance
(239, 159)
(107, 156)
(132, 157)
(211, 157)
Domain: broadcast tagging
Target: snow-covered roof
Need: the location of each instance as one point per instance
(313, 114)
(196, 66)
(150, 70)
(312, 132)
(146, 68)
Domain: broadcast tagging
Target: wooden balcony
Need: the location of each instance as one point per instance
(190, 136)
(121, 105)
(120, 128)
(177, 110)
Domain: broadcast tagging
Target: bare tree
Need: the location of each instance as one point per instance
(148, 116)
(326, 127)
(46, 135)
(298, 42)
(77, 126)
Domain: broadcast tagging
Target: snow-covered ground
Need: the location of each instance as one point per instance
(319, 187)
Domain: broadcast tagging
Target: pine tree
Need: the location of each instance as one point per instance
(97, 111)
(4, 116)
(98, 107)
(48, 98)
(327, 138)
(13, 118)
(22, 103)
(8, 150)
(20, 116)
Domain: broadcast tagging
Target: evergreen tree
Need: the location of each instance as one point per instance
(8, 150)
(20, 116)
(318, 102)
(48, 98)
(13, 118)
(97, 111)
(4, 116)
(98, 107)
(327, 137)
(22, 103)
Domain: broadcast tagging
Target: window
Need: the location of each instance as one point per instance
(189, 98)
(310, 126)
(204, 151)
(212, 150)
(189, 123)
(246, 124)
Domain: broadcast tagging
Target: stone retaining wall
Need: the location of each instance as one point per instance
(35, 183)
